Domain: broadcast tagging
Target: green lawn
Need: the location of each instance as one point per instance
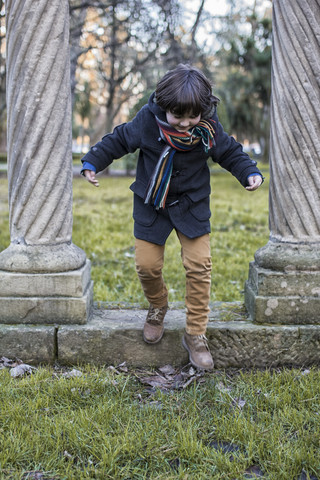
(105, 425)
(111, 423)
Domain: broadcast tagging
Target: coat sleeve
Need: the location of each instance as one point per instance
(125, 138)
(229, 154)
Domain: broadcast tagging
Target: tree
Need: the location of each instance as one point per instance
(120, 50)
(245, 79)
(127, 45)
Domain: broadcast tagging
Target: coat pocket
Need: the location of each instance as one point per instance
(142, 213)
(201, 210)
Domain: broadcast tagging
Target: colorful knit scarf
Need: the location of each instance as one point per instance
(159, 183)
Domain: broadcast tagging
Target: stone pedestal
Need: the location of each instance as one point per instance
(291, 297)
(284, 279)
(46, 298)
(44, 277)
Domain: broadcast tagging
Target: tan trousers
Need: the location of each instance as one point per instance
(196, 259)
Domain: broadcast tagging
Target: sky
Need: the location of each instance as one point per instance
(219, 8)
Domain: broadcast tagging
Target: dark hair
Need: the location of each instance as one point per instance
(186, 89)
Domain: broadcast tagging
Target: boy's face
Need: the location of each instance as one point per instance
(183, 123)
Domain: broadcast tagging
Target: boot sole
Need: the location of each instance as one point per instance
(200, 367)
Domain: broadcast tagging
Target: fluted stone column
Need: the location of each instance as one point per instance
(284, 279)
(44, 277)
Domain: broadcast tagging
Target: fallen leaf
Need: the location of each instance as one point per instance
(239, 402)
(170, 378)
(36, 475)
(155, 381)
(187, 383)
(6, 362)
(167, 370)
(123, 367)
(21, 370)
(222, 388)
(73, 373)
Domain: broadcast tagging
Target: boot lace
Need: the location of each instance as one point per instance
(200, 342)
(155, 315)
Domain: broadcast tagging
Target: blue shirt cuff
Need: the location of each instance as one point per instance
(253, 174)
(88, 166)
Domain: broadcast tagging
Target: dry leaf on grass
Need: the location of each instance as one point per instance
(21, 370)
(169, 378)
(9, 363)
(37, 475)
(73, 373)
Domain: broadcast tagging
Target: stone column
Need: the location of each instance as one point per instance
(44, 277)
(284, 279)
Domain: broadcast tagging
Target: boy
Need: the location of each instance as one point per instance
(176, 132)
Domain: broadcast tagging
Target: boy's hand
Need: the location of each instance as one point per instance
(91, 177)
(254, 182)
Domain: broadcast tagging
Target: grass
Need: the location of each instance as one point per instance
(107, 425)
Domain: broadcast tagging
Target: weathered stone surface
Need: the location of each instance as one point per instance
(284, 283)
(243, 344)
(283, 298)
(115, 336)
(42, 258)
(289, 257)
(291, 293)
(46, 310)
(294, 212)
(32, 344)
(48, 278)
(39, 124)
(60, 284)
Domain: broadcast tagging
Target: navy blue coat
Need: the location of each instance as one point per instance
(187, 206)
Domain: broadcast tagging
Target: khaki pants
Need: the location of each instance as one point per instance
(196, 258)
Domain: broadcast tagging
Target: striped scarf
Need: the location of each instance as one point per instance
(159, 182)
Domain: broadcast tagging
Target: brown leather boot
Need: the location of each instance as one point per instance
(199, 354)
(153, 328)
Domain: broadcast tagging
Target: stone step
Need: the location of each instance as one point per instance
(113, 336)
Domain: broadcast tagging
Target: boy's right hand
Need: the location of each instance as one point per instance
(91, 177)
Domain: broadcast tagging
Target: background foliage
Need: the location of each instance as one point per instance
(119, 49)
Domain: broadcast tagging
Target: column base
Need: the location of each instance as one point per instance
(46, 298)
(42, 258)
(283, 297)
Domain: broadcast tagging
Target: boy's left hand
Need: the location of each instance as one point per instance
(254, 182)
